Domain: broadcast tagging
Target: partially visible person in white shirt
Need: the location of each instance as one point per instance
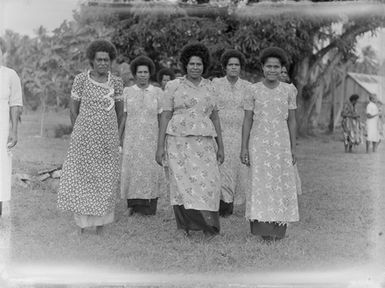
(11, 102)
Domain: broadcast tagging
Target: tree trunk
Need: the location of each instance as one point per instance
(333, 103)
(42, 116)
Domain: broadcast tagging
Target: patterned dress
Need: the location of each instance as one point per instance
(351, 126)
(230, 103)
(141, 174)
(272, 197)
(191, 154)
(89, 182)
(10, 95)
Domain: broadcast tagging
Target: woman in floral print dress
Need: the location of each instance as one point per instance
(268, 147)
(190, 120)
(231, 90)
(89, 181)
(140, 178)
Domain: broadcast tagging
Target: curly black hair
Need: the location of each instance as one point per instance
(101, 46)
(274, 52)
(142, 61)
(354, 97)
(232, 53)
(195, 49)
(165, 71)
(3, 45)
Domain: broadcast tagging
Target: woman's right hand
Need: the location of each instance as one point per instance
(159, 156)
(245, 157)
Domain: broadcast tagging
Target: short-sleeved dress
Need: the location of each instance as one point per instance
(233, 173)
(10, 95)
(89, 181)
(141, 174)
(191, 154)
(272, 197)
(372, 123)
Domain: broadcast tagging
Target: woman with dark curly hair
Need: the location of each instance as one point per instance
(90, 174)
(140, 174)
(11, 103)
(165, 75)
(191, 122)
(268, 147)
(231, 90)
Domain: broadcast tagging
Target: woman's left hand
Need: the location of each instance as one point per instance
(12, 140)
(220, 156)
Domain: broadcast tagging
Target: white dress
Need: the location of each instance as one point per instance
(372, 123)
(10, 95)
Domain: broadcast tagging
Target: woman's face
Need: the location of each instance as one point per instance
(284, 77)
(233, 67)
(165, 79)
(142, 75)
(272, 69)
(101, 62)
(194, 67)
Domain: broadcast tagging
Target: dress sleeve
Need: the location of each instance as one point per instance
(167, 103)
(118, 89)
(216, 98)
(159, 97)
(248, 99)
(124, 97)
(16, 96)
(292, 100)
(78, 87)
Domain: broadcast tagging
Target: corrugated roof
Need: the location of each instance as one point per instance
(374, 84)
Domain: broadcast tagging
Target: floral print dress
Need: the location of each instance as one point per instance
(190, 145)
(230, 103)
(89, 182)
(272, 196)
(140, 178)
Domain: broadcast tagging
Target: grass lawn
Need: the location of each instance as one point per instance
(337, 228)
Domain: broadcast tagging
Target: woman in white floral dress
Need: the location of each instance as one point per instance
(231, 90)
(140, 177)
(268, 147)
(90, 175)
(190, 120)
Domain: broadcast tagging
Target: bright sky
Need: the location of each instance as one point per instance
(25, 16)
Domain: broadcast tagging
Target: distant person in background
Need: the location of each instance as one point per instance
(140, 177)
(381, 111)
(126, 75)
(164, 75)
(11, 103)
(351, 125)
(231, 90)
(178, 73)
(372, 116)
(90, 175)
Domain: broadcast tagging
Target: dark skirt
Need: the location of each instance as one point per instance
(225, 209)
(271, 229)
(143, 206)
(196, 220)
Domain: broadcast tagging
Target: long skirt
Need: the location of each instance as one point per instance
(84, 221)
(143, 206)
(271, 229)
(194, 182)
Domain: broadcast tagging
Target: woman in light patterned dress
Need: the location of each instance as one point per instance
(231, 90)
(140, 178)
(90, 175)
(11, 102)
(268, 147)
(191, 121)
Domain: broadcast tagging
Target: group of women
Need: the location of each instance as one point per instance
(200, 132)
